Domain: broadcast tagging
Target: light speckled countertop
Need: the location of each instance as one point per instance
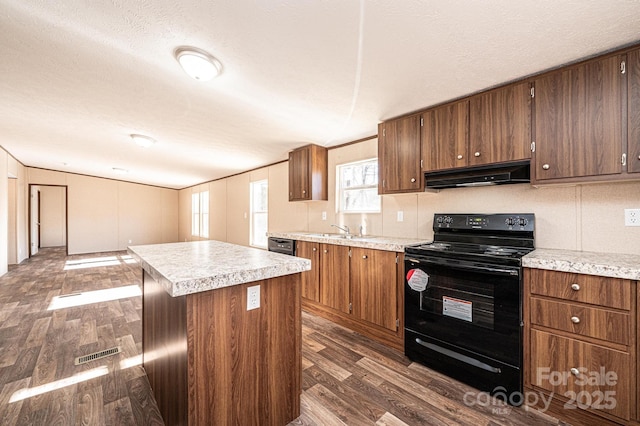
(185, 268)
(614, 265)
(373, 242)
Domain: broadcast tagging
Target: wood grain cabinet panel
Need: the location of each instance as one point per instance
(596, 290)
(633, 121)
(310, 280)
(500, 125)
(373, 286)
(445, 136)
(334, 277)
(573, 363)
(578, 114)
(399, 155)
(308, 173)
(605, 324)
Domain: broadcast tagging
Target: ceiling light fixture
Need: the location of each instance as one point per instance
(142, 140)
(197, 63)
(120, 171)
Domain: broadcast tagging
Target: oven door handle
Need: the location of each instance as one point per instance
(466, 266)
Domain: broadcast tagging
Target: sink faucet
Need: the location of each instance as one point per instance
(345, 229)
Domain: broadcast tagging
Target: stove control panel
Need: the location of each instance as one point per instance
(492, 222)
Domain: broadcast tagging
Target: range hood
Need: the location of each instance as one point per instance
(493, 174)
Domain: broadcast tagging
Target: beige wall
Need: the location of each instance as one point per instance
(12, 236)
(580, 217)
(4, 211)
(53, 228)
(104, 215)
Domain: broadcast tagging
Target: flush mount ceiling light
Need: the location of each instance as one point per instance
(197, 63)
(142, 140)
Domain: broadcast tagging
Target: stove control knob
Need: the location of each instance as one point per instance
(448, 219)
(522, 221)
(510, 221)
(439, 219)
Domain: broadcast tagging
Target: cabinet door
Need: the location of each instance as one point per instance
(633, 121)
(334, 279)
(578, 113)
(299, 174)
(500, 125)
(445, 136)
(310, 280)
(374, 286)
(591, 375)
(399, 155)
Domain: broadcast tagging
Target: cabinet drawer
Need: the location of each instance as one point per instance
(583, 320)
(602, 291)
(601, 379)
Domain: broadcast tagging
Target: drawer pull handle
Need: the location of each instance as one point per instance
(413, 180)
(364, 256)
(460, 157)
(476, 154)
(575, 287)
(575, 371)
(575, 320)
(545, 167)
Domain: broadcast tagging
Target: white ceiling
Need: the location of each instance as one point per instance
(78, 76)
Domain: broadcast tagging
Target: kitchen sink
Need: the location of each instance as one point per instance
(339, 236)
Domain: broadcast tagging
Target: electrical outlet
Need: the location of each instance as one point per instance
(631, 217)
(400, 216)
(324, 215)
(253, 297)
(129, 241)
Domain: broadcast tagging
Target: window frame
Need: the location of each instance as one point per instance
(255, 213)
(200, 214)
(340, 189)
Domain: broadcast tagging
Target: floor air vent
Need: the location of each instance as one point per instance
(97, 355)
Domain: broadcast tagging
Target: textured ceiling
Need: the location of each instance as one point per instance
(77, 77)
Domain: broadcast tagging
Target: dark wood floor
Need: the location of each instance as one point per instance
(347, 379)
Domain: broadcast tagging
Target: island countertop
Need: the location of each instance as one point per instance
(192, 267)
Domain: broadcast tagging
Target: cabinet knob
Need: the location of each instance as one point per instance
(575, 371)
(575, 320)
(459, 156)
(364, 256)
(326, 251)
(638, 157)
(304, 191)
(545, 167)
(575, 286)
(477, 154)
(315, 249)
(413, 180)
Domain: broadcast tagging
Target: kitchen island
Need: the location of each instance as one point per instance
(210, 359)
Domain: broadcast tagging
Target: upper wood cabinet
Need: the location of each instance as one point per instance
(633, 120)
(578, 115)
(399, 156)
(308, 173)
(500, 125)
(445, 136)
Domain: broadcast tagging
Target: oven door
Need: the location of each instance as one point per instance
(466, 304)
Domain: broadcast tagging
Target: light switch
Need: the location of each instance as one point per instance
(400, 216)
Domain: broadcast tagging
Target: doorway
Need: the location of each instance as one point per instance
(48, 218)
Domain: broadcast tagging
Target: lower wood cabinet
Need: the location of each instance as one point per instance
(358, 288)
(581, 346)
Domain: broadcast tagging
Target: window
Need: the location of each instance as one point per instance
(259, 209)
(357, 190)
(200, 214)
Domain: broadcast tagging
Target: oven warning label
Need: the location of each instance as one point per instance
(417, 279)
(456, 308)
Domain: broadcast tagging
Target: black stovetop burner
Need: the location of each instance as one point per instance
(489, 237)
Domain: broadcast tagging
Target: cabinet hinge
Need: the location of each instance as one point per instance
(350, 307)
(623, 67)
(396, 258)
(421, 164)
(383, 183)
(533, 146)
(384, 132)
(421, 122)
(624, 159)
(533, 92)
(349, 252)
(397, 323)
